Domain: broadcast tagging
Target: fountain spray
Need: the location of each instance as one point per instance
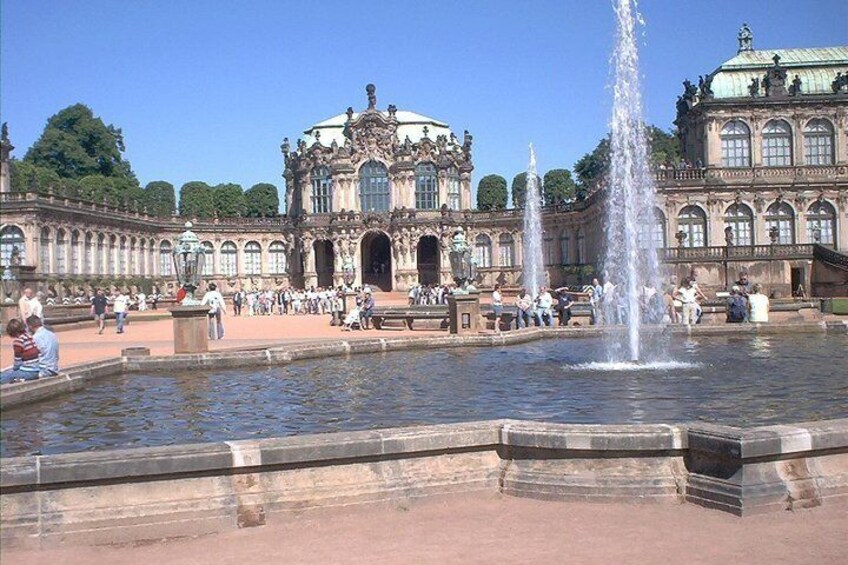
(533, 266)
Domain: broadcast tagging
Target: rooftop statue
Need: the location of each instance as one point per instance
(795, 89)
(754, 87)
(746, 39)
(370, 90)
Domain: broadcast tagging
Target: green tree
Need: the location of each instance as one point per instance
(519, 189)
(262, 201)
(229, 200)
(160, 199)
(558, 187)
(76, 144)
(665, 146)
(197, 200)
(491, 193)
(26, 177)
(592, 167)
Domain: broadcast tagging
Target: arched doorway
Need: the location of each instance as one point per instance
(428, 260)
(377, 260)
(324, 260)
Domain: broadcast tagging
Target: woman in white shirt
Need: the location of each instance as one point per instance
(687, 294)
(497, 307)
(758, 303)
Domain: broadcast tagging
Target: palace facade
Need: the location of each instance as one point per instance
(765, 178)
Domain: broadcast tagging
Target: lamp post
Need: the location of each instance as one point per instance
(190, 317)
(464, 303)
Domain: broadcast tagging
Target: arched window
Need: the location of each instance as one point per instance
(454, 190)
(252, 258)
(132, 258)
(777, 144)
(740, 219)
(277, 258)
(818, 142)
(100, 256)
(548, 250)
(11, 238)
(165, 259)
(61, 257)
(581, 247)
(44, 248)
(88, 255)
(208, 259)
(652, 231)
(506, 250)
(229, 254)
(483, 251)
(374, 195)
(693, 222)
(75, 253)
(735, 144)
(821, 223)
(564, 248)
(111, 264)
(122, 256)
(322, 190)
(426, 187)
(142, 264)
(781, 216)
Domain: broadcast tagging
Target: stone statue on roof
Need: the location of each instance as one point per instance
(746, 39)
(795, 88)
(371, 90)
(754, 87)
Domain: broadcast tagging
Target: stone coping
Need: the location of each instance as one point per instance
(78, 376)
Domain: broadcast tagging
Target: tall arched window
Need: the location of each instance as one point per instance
(165, 259)
(581, 247)
(75, 253)
(652, 232)
(88, 255)
(693, 222)
(122, 256)
(229, 256)
(208, 259)
(100, 256)
(564, 248)
(506, 250)
(483, 251)
(740, 219)
(277, 258)
(111, 264)
(735, 144)
(454, 190)
(322, 190)
(374, 192)
(11, 238)
(44, 248)
(133, 257)
(777, 144)
(818, 142)
(426, 187)
(142, 263)
(780, 215)
(252, 258)
(548, 250)
(821, 223)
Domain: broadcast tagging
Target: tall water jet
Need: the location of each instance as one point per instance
(631, 259)
(533, 267)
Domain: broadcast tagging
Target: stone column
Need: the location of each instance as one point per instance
(191, 329)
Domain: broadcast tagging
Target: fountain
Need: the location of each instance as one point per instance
(631, 260)
(533, 264)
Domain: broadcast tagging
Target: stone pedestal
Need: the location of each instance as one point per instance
(191, 329)
(349, 302)
(464, 312)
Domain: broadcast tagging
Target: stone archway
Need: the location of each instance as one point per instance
(325, 258)
(377, 260)
(427, 260)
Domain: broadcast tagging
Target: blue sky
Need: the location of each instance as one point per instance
(206, 90)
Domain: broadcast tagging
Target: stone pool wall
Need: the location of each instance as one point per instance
(154, 493)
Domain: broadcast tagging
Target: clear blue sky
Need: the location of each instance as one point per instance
(206, 90)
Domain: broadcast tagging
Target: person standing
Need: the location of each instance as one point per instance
(99, 308)
(497, 307)
(25, 352)
(215, 301)
(154, 297)
(595, 294)
(120, 305)
(142, 302)
(367, 310)
(687, 294)
(237, 298)
(48, 348)
(24, 308)
(758, 303)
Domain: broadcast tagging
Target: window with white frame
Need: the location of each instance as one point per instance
(454, 189)
(122, 257)
(548, 251)
(165, 259)
(12, 238)
(208, 259)
(229, 259)
(735, 144)
(692, 221)
(780, 215)
(252, 258)
(88, 255)
(322, 190)
(652, 231)
(44, 248)
(374, 191)
(483, 251)
(277, 258)
(740, 219)
(506, 250)
(818, 142)
(777, 144)
(426, 187)
(821, 223)
(564, 248)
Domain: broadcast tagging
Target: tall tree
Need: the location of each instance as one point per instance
(665, 146)
(262, 201)
(519, 189)
(197, 200)
(26, 177)
(491, 193)
(160, 199)
(558, 187)
(229, 200)
(76, 144)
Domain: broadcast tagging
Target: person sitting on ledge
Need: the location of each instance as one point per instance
(737, 307)
(758, 305)
(367, 310)
(25, 366)
(48, 347)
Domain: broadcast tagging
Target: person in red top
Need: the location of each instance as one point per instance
(25, 366)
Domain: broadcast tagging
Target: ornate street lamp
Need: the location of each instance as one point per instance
(189, 258)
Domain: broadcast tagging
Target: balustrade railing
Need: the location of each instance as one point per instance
(736, 252)
(735, 173)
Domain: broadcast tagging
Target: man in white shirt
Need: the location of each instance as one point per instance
(687, 295)
(544, 313)
(120, 305)
(215, 301)
(758, 303)
(24, 308)
(35, 306)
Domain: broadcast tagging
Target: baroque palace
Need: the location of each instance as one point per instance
(765, 190)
